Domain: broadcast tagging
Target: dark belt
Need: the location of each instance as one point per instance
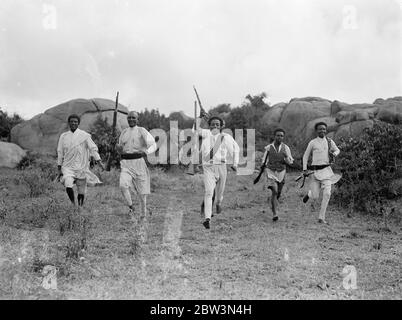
(318, 167)
(131, 156)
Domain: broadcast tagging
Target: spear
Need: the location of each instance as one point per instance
(192, 167)
(113, 150)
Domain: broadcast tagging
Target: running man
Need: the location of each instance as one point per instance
(323, 150)
(75, 147)
(135, 143)
(276, 156)
(215, 149)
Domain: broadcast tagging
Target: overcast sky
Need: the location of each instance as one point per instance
(153, 51)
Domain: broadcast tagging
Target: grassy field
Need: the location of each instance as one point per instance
(102, 253)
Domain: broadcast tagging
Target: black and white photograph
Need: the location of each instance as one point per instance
(213, 151)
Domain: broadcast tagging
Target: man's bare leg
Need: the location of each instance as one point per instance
(280, 187)
(274, 202)
(143, 201)
(81, 199)
(127, 196)
(70, 193)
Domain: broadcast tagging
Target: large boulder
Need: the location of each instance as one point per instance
(298, 113)
(352, 129)
(273, 115)
(337, 106)
(343, 117)
(310, 99)
(309, 132)
(10, 154)
(381, 101)
(390, 110)
(42, 132)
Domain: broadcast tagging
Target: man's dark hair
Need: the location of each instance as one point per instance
(320, 124)
(215, 118)
(279, 130)
(74, 116)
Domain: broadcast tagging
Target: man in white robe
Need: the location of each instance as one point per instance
(134, 144)
(322, 150)
(75, 147)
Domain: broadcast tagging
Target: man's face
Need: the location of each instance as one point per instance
(73, 123)
(215, 126)
(132, 120)
(279, 137)
(321, 131)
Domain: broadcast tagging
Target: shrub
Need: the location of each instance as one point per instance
(36, 182)
(7, 122)
(370, 164)
(46, 165)
(102, 135)
(27, 161)
(37, 173)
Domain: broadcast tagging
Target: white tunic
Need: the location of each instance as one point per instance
(74, 150)
(228, 147)
(137, 139)
(133, 140)
(319, 148)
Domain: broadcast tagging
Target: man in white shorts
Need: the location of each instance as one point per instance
(74, 149)
(135, 143)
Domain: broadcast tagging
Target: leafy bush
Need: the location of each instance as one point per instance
(370, 166)
(102, 135)
(151, 119)
(37, 173)
(7, 122)
(27, 161)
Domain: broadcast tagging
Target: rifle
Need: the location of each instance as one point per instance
(203, 113)
(262, 169)
(304, 176)
(192, 168)
(113, 150)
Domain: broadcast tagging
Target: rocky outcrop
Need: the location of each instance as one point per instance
(42, 132)
(10, 154)
(298, 113)
(389, 110)
(297, 118)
